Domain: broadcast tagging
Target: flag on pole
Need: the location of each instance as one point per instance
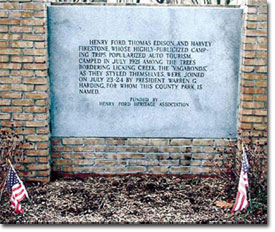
(18, 189)
(242, 200)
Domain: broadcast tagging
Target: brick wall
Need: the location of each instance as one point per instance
(24, 86)
(253, 90)
(137, 155)
(24, 103)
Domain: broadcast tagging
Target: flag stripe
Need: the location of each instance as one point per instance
(236, 202)
(18, 194)
(242, 201)
(239, 202)
(22, 197)
(16, 187)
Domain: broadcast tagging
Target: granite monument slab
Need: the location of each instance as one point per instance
(122, 71)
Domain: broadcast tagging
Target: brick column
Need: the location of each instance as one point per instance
(253, 92)
(24, 85)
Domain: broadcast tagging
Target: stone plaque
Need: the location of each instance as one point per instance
(121, 71)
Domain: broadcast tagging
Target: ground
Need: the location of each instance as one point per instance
(129, 199)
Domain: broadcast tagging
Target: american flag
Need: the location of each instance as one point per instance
(18, 189)
(242, 200)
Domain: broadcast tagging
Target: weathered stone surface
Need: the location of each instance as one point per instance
(209, 112)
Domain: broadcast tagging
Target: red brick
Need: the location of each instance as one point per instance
(40, 59)
(27, 117)
(18, 29)
(40, 14)
(4, 44)
(37, 138)
(22, 59)
(3, 14)
(260, 126)
(40, 44)
(115, 141)
(28, 160)
(44, 174)
(32, 22)
(5, 87)
(40, 88)
(39, 81)
(35, 66)
(254, 76)
(10, 66)
(38, 166)
(36, 124)
(158, 142)
(201, 170)
(10, 94)
(34, 52)
(261, 112)
(249, 54)
(246, 126)
(93, 141)
(25, 131)
(84, 162)
(261, 54)
(157, 170)
(36, 95)
(180, 142)
(262, 69)
(35, 109)
(136, 169)
(5, 116)
(22, 73)
(137, 141)
(11, 109)
(10, 36)
(10, 21)
(72, 141)
(23, 102)
(3, 73)
(41, 116)
(253, 90)
(34, 37)
(22, 87)
(21, 14)
(10, 51)
(11, 124)
(34, 6)
(4, 29)
(253, 17)
(42, 102)
(40, 30)
(44, 130)
(43, 145)
(4, 59)
(255, 62)
(41, 73)
(204, 142)
(9, 6)
(5, 102)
